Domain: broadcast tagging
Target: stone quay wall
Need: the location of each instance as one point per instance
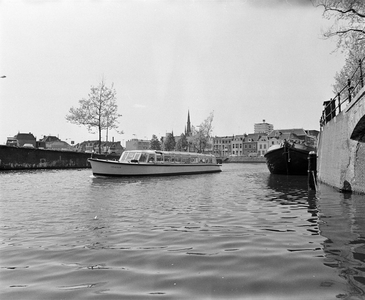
(19, 158)
(341, 160)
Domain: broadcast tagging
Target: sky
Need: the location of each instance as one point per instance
(244, 60)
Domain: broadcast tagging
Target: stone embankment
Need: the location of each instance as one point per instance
(19, 158)
(244, 159)
(341, 148)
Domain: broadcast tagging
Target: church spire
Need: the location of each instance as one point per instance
(188, 127)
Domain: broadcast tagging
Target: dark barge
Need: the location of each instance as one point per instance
(288, 158)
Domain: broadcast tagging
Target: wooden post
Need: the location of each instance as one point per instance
(339, 102)
(312, 171)
(349, 88)
(361, 76)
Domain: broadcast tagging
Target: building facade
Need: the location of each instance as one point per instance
(106, 147)
(136, 144)
(22, 139)
(263, 127)
(222, 146)
(237, 145)
(262, 145)
(54, 143)
(250, 144)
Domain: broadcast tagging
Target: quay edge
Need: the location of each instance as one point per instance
(341, 148)
(20, 158)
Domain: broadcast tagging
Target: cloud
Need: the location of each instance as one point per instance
(139, 106)
(278, 3)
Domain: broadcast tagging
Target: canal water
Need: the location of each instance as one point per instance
(239, 234)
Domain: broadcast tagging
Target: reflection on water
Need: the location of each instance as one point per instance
(239, 234)
(340, 218)
(342, 222)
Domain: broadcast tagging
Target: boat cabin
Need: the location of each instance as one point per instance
(152, 156)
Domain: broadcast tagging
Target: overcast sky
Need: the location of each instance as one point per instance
(245, 60)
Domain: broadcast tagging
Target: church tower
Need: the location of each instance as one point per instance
(188, 127)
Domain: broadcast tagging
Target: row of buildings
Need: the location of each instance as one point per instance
(253, 144)
(50, 142)
(257, 144)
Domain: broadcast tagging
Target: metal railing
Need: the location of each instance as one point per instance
(335, 105)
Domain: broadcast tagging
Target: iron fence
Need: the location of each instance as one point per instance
(335, 105)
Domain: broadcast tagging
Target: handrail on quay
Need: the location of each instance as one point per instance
(345, 95)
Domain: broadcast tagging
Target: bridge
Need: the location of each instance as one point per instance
(357, 117)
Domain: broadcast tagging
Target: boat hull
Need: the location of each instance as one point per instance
(288, 160)
(114, 168)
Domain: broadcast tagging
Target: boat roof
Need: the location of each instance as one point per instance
(169, 152)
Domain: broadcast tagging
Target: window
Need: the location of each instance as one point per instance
(124, 156)
(185, 160)
(130, 156)
(136, 156)
(151, 158)
(143, 157)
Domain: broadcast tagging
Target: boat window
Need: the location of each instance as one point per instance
(193, 160)
(123, 157)
(130, 156)
(143, 157)
(178, 159)
(159, 157)
(167, 158)
(185, 160)
(136, 156)
(151, 158)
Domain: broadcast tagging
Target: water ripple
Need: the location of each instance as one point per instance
(240, 234)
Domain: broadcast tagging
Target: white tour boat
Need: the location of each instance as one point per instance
(153, 162)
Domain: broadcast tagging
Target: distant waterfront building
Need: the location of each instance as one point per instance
(263, 127)
(106, 147)
(54, 143)
(222, 145)
(262, 145)
(136, 144)
(237, 144)
(297, 135)
(22, 139)
(250, 144)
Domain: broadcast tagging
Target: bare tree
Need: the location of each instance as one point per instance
(99, 110)
(349, 30)
(201, 135)
(349, 21)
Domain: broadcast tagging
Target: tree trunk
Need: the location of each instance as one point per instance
(99, 140)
